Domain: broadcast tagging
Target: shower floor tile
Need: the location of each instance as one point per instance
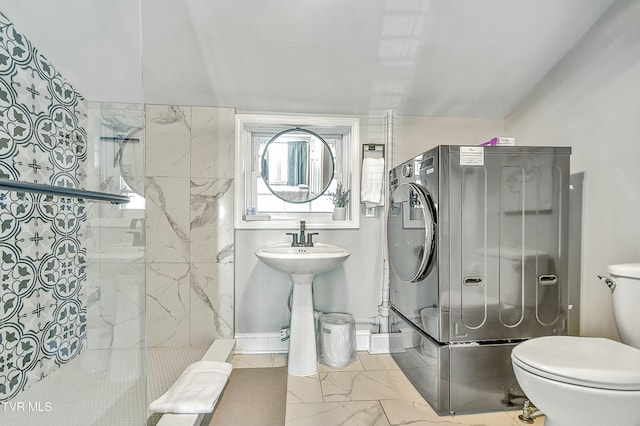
(99, 387)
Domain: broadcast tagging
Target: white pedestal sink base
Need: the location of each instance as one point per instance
(302, 263)
(303, 360)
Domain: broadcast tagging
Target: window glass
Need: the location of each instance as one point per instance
(266, 201)
(254, 197)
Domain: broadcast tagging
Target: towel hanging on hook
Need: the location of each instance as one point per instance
(372, 183)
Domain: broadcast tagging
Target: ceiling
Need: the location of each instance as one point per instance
(438, 58)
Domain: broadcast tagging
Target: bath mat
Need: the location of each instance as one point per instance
(253, 396)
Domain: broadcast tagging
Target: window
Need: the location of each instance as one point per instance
(283, 199)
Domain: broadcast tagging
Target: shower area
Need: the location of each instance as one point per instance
(72, 310)
(98, 315)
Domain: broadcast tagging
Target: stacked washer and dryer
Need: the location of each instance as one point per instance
(477, 242)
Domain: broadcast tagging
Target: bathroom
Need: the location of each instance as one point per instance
(196, 275)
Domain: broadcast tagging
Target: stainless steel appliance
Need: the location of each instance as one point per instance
(477, 241)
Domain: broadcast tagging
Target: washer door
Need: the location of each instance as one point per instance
(411, 229)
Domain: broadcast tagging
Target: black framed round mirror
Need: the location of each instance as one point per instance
(297, 165)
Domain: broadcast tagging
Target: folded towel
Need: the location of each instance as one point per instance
(372, 181)
(197, 389)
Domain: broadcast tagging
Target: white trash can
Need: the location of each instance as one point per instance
(337, 339)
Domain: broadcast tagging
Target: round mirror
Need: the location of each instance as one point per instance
(297, 165)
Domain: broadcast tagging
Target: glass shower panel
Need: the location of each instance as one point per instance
(72, 295)
(72, 312)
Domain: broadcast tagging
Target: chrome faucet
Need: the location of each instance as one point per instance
(299, 239)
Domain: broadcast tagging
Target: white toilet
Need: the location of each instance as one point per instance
(588, 380)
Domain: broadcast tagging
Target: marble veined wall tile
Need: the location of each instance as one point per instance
(92, 229)
(211, 220)
(211, 302)
(189, 192)
(115, 308)
(212, 142)
(168, 215)
(168, 133)
(119, 293)
(168, 304)
(90, 295)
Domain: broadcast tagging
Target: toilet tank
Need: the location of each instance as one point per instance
(625, 301)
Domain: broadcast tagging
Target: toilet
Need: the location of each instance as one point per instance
(588, 380)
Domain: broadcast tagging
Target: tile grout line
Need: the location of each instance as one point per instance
(384, 411)
(321, 389)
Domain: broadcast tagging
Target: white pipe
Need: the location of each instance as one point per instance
(383, 309)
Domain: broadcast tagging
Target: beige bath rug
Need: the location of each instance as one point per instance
(253, 396)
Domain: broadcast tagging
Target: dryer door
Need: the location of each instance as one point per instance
(411, 229)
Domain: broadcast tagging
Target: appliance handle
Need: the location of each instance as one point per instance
(548, 279)
(473, 281)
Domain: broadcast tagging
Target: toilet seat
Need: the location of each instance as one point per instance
(584, 361)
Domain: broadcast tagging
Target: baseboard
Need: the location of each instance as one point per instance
(268, 343)
(362, 338)
(260, 343)
(385, 343)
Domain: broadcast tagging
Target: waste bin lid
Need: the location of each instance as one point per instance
(337, 319)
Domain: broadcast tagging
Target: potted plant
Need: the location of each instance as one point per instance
(340, 200)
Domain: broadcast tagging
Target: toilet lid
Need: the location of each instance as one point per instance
(584, 361)
(631, 270)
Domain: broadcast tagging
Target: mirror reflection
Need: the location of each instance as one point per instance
(122, 137)
(297, 165)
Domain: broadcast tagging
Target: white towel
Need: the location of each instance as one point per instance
(372, 181)
(197, 389)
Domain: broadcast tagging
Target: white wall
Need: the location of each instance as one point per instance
(591, 101)
(261, 294)
(100, 53)
(414, 135)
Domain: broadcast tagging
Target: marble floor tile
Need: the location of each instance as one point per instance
(354, 366)
(252, 360)
(280, 360)
(513, 415)
(259, 360)
(366, 386)
(419, 413)
(377, 361)
(366, 413)
(304, 389)
(371, 391)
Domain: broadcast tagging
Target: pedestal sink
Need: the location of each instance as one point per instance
(302, 264)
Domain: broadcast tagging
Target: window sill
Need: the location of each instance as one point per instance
(295, 223)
